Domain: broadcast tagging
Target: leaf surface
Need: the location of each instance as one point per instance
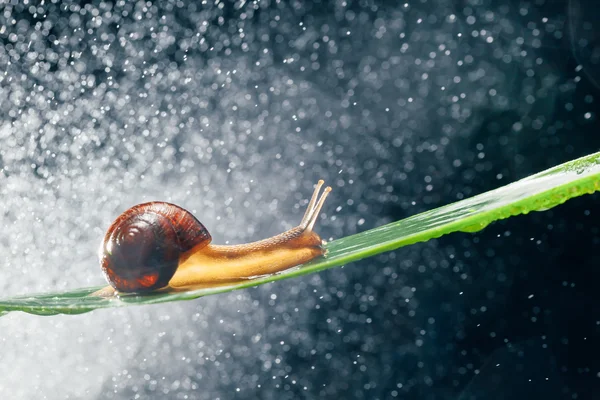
(538, 192)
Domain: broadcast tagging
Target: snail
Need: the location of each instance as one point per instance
(161, 246)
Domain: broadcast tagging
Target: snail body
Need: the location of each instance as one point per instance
(158, 245)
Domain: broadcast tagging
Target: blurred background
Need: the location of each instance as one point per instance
(234, 110)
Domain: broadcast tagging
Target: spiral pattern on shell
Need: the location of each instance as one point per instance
(141, 248)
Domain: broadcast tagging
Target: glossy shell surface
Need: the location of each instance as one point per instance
(141, 248)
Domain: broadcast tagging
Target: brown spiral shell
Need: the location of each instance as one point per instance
(141, 248)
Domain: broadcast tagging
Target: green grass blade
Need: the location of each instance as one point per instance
(535, 193)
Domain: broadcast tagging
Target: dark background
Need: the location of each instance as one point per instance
(402, 106)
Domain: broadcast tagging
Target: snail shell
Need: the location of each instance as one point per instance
(141, 249)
